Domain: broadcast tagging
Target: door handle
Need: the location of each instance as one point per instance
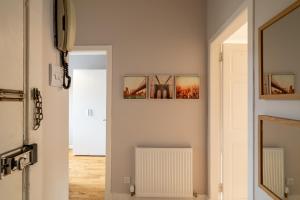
(18, 159)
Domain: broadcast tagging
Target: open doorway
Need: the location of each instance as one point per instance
(229, 111)
(88, 131)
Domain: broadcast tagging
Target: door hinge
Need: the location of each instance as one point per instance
(221, 57)
(221, 187)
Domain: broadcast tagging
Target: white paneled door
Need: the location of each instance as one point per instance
(235, 118)
(11, 77)
(89, 109)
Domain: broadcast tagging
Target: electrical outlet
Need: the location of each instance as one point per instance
(126, 180)
(290, 181)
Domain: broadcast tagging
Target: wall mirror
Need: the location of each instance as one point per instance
(279, 161)
(280, 55)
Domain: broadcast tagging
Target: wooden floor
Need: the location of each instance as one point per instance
(86, 178)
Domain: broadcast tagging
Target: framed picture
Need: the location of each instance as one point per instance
(161, 87)
(283, 83)
(135, 87)
(187, 87)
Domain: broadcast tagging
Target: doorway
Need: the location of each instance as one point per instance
(229, 112)
(89, 150)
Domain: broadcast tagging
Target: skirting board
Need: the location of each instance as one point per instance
(121, 196)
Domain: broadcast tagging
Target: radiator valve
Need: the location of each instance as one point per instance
(132, 190)
(195, 194)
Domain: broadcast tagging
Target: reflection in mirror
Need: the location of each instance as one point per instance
(280, 58)
(280, 162)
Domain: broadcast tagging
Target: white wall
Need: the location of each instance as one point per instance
(265, 10)
(219, 12)
(164, 36)
(55, 134)
(176, 45)
(47, 178)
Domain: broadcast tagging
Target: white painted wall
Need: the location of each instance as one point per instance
(219, 12)
(55, 102)
(164, 36)
(50, 171)
(181, 49)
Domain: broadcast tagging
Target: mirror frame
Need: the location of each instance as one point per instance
(277, 120)
(269, 23)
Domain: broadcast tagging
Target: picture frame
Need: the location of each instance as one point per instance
(135, 87)
(161, 86)
(187, 86)
(282, 84)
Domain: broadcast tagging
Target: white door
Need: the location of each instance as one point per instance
(89, 109)
(11, 77)
(235, 118)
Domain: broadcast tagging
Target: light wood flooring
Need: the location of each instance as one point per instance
(86, 177)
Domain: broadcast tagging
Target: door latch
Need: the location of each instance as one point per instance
(18, 159)
(11, 95)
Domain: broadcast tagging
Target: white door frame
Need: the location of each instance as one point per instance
(108, 50)
(242, 15)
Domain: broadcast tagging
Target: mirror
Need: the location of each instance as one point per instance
(279, 163)
(280, 55)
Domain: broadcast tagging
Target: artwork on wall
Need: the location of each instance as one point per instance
(135, 87)
(283, 84)
(161, 86)
(279, 83)
(187, 87)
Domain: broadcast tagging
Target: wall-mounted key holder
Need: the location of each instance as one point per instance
(38, 108)
(18, 159)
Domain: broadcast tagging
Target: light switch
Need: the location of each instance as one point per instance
(56, 76)
(126, 180)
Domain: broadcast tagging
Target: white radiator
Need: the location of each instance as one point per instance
(273, 170)
(164, 172)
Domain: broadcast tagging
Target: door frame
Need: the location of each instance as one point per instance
(108, 50)
(242, 15)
